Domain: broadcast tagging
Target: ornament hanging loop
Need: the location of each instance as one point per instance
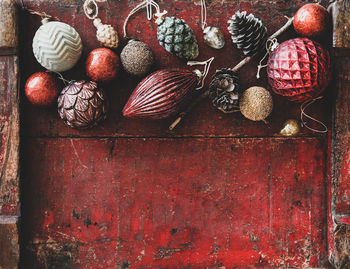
(203, 14)
(271, 45)
(201, 76)
(303, 114)
(91, 9)
(149, 5)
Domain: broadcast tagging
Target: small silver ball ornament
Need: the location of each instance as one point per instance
(290, 128)
(213, 37)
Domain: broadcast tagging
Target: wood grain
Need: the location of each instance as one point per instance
(8, 27)
(341, 23)
(174, 203)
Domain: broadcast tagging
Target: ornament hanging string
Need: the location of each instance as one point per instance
(90, 9)
(303, 114)
(203, 14)
(271, 45)
(65, 81)
(202, 77)
(149, 5)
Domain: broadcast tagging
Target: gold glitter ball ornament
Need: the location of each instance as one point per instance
(106, 34)
(290, 128)
(256, 103)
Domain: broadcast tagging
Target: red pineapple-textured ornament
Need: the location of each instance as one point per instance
(161, 94)
(299, 69)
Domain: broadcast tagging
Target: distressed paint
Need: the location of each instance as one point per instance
(9, 136)
(169, 206)
(220, 192)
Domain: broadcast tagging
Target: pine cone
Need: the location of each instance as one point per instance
(106, 34)
(247, 32)
(224, 90)
(82, 105)
(177, 37)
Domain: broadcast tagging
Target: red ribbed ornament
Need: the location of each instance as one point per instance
(299, 69)
(161, 94)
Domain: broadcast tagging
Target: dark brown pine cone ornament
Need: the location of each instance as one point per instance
(224, 90)
(247, 32)
(82, 104)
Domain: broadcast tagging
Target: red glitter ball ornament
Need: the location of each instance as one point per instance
(312, 20)
(42, 89)
(299, 69)
(102, 65)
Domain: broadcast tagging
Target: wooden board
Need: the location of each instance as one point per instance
(219, 192)
(176, 202)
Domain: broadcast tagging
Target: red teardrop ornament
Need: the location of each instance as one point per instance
(299, 69)
(161, 94)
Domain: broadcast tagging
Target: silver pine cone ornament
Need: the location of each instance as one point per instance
(224, 90)
(82, 104)
(247, 32)
(177, 37)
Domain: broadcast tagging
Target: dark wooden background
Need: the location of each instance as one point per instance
(219, 191)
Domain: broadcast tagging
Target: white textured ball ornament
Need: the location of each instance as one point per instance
(106, 34)
(57, 46)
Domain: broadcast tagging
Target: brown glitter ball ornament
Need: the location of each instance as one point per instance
(82, 104)
(137, 58)
(256, 103)
(290, 128)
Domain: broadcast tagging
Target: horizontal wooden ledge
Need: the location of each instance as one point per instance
(179, 137)
(8, 219)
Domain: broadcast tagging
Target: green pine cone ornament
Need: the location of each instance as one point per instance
(177, 37)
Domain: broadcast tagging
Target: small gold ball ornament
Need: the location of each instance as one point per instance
(106, 34)
(213, 37)
(256, 103)
(290, 128)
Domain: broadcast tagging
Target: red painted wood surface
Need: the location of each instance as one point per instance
(219, 191)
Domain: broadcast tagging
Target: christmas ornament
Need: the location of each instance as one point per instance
(82, 104)
(102, 65)
(213, 37)
(256, 103)
(234, 70)
(174, 35)
(42, 89)
(105, 34)
(224, 90)
(299, 69)
(290, 128)
(312, 20)
(247, 32)
(137, 58)
(57, 46)
(163, 93)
